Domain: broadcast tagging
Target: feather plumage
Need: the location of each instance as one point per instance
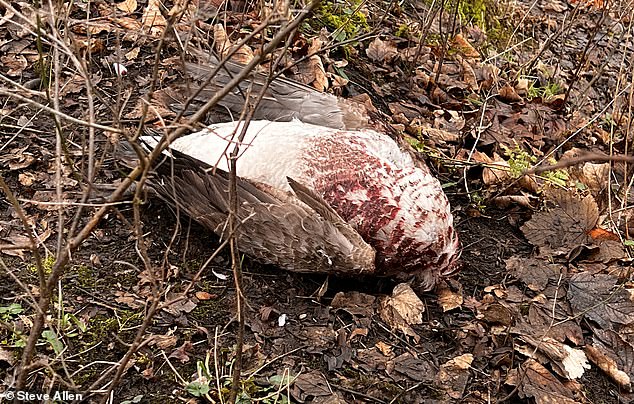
(360, 177)
(321, 188)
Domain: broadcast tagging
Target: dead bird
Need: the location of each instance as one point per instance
(315, 198)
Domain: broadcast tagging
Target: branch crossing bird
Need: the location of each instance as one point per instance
(332, 196)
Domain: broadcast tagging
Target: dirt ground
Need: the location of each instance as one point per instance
(486, 333)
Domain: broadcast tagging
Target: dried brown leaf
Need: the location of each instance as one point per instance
(384, 348)
(127, 6)
(496, 313)
(73, 85)
(556, 6)
(128, 23)
(414, 368)
(15, 62)
(26, 179)
(566, 225)
(454, 375)
(497, 172)
(449, 299)
(508, 94)
(6, 356)
(536, 381)
(202, 295)
(21, 161)
(567, 361)
(463, 45)
(164, 341)
(311, 72)
(356, 303)
(221, 40)
(312, 383)
(599, 298)
(132, 54)
(182, 352)
(609, 367)
(506, 201)
(152, 20)
(619, 348)
(595, 176)
(469, 76)
(381, 51)
(402, 309)
(522, 86)
(48, 200)
(129, 300)
(440, 134)
(180, 304)
(535, 273)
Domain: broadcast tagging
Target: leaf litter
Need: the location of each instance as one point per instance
(534, 325)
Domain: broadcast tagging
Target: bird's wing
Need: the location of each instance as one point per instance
(276, 226)
(283, 100)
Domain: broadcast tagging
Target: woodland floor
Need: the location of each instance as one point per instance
(517, 323)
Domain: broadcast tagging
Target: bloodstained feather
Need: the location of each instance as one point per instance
(340, 180)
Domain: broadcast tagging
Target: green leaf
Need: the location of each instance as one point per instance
(197, 389)
(282, 380)
(71, 318)
(12, 309)
(135, 400)
(52, 339)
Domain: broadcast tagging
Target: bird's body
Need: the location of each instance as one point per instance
(395, 205)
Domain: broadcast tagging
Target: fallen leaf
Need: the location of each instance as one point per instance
(465, 47)
(469, 76)
(508, 94)
(505, 201)
(202, 295)
(535, 273)
(311, 72)
(522, 86)
(598, 234)
(180, 304)
(182, 352)
(417, 369)
(496, 313)
(402, 309)
(164, 341)
(599, 298)
(355, 303)
(567, 361)
(453, 376)
(26, 179)
(565, 225)
(152, 20)
(132, 54)
(384, 348)
(127, 6)
(555, 5)
(6, 356)
(449, 299)
(358, 331)
(221, 40)
(128, 299)
(440, 134)
(308, 384)
(611, 353)
(21, 161)
(496, 171)
(534, 380)
(381, 51)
